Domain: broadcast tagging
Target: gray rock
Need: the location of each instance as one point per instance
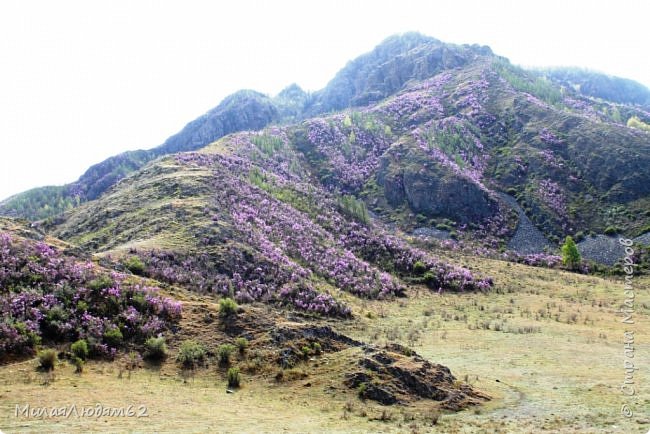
(437, 192)
(431, 232)
(601, 248)
(527, 238)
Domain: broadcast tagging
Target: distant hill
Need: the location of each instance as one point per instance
(598, 85)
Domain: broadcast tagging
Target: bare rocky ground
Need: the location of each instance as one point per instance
(527, 238)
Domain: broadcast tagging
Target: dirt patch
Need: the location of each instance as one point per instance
(396, 374)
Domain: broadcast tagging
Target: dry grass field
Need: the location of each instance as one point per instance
(547, 346)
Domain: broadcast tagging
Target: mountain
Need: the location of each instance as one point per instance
(388, 69)
(598, 85)
(465, 144)
(310, 241)
(243, 110)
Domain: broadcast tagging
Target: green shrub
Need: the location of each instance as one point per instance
(419, 267)
(113, 337)
(191, 353)
(32, 339)
(242, 344)
(306, 351)
(134, 265)
(570, 253)
(223, 353)
(430, 278)
(362, 390)
(102, 282)
(155, 349)
(47, 359)
(79, 349)
(317, 348)
(78, 364)
(227, 307)
(234, 379)
(611, 230)
(354, 208)
(635, 122)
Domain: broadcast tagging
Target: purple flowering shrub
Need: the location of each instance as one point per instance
(454, 143)
(552, 196)
(246, 276)
(534, 259)
(346, 148)
(393, 254)
(550, 138)
(45, 295)
(291, 247)
(412, 107)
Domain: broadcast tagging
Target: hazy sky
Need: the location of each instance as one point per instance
(83, 80)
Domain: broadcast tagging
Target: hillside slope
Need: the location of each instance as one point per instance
(542, 137)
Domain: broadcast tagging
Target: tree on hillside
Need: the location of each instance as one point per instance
(570, 253)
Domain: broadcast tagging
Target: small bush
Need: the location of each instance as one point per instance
(223, 353)
(242, 344)
(611, 230)
(132, 361)
(570, 253)
(46, 359)
(234, 379)
(306, 351)
(113, 337)
(134, 265)
(434, 417)
(419, 267)
(317, 348)
(78, 364)
(155, 349)
(191, 354)
(102, 282)
(227, 307)
(362, 390)
(430, 278)
(79, 349)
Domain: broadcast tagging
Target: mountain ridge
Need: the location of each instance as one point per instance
(400, 63)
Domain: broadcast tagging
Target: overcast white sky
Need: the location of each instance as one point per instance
(83, 80)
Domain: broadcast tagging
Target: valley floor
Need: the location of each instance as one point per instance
(548, 346)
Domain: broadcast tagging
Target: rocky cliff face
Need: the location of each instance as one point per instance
(431, 190)
(385, 70)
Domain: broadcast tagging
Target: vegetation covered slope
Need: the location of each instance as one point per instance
(244, 110)
(530, 125)
(598, 85)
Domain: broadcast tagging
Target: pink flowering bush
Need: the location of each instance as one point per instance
(45, 295)
(396, 256)
(296, 236)
(548, 137)
(552, 196)
(346, 148)
(455, 144)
